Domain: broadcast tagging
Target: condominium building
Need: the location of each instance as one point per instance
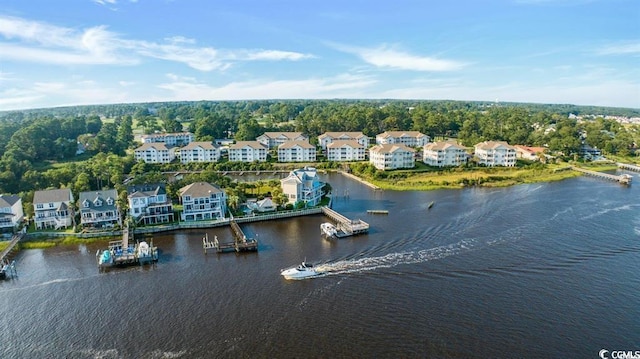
(390, 156)
(199, 152)
(345, 150)
(155, 153)
(296, 151)
(248, 151)
(443, 154)
(328, 137)
(495, 153)
(275, 139)
(407, 138)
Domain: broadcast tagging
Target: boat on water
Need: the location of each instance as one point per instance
(146, 253)
(328, 229)
(302, 271)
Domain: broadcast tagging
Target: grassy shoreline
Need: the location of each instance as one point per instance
(457, 178)
(61, 241)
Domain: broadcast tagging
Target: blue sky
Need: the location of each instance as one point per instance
(71, 52)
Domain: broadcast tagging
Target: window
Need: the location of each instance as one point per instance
(85, 204)
(39, 206)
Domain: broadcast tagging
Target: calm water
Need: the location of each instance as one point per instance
(541, 270)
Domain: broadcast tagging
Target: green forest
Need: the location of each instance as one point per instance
(39, 148)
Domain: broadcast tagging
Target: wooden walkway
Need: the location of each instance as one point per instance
(623, 179)
(240, 242)
(10, 248)
(346, 227)
(627, 166)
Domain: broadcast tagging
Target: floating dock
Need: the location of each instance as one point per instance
(240, 242)
(377, 211)
(346, 227)
(623, 179)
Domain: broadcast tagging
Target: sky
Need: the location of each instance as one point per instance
(78, 52)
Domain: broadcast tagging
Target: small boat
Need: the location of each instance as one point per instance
(328, 229)
(145, 253)
(431, 204)
(302, 271)
(105, 259)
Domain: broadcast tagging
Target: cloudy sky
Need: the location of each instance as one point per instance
(69, 52)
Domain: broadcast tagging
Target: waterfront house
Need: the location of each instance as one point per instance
(199, 152)
(391, 157)
(275, 139)
(345, 150)
(202, 201)
(263, 205)
(303, 185)
(248, 151)
(296, 151)
(495, 153)
(98, 209)
(407, 138)
(442, 154)
(149, 204)
(329, 137)
(11, 213)
(52, 208)
(529, 153)
(169, 139)
(155, 153)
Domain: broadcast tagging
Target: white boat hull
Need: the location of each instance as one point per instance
(300, 272)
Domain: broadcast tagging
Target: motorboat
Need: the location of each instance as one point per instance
(328, 229)
(105, 258)
(302, 271)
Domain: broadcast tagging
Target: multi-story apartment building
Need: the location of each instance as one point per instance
(443, 154)
(52, 208)
(407, 138)
(275, 139)
(11, 213)
(169, 139)
(328, 137)
(296, 151)
(303, 185)
(199, 152)
(248, 151)
(345, 150)
(495, 153)
(149, 204)
(99, 209)
(391, 157)
(155, 153)
(202, 201)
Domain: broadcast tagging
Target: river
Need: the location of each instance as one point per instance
(539, 270)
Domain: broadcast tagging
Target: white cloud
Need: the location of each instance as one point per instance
(385, 56)
(626, 48)
(40, 42)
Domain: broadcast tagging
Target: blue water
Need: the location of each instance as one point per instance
(540, 270)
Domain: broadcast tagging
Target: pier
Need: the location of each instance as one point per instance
(627, 166)
(240, 242)
(623, 179)
(121, 253)
(11, 247)
(346, 227)
(377, 211)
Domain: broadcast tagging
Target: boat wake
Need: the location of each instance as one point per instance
(395, 259)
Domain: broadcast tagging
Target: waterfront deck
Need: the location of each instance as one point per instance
(622, 179)
(121, 253)
(346, 227)
(627, 166)
(240, 242)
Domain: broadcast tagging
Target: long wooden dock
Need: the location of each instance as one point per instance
(11, 247)
(628, 166)
(623, 179)
(346, 227)
(240, 241)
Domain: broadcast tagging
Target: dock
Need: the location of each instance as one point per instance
(377, 211)
(4, 256)
(622, 179)
(122, 253)
(627, 166)
(346, 227)
(240, 242)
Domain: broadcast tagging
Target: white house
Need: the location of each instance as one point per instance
(52, 208)
(169, 139)
(303, 185)
(495, 153)
(529, 153)
(275, 139)
(149, 204)
(199, 152)
(407, 138)
(202, 201)
(248, 151)
(391, 157)
(155, 153)
(328, 137)
(296, 151)
(11, 213)
(345, 150)
(442, 154)
(99, 209)
(264, 205)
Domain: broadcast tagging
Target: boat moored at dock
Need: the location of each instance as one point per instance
(328, 229)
